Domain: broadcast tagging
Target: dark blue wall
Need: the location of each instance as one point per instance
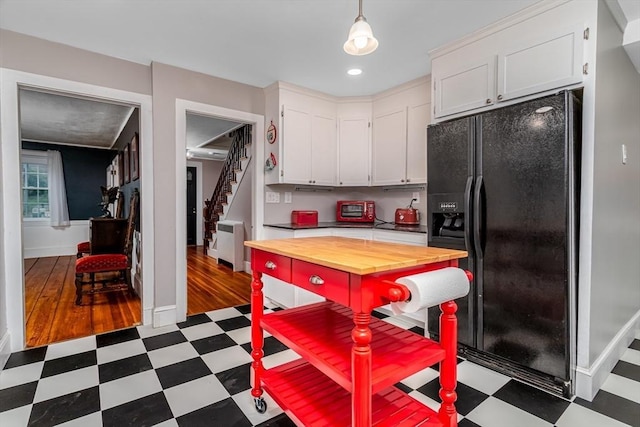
(85, 170)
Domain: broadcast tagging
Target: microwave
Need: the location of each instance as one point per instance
(356, 211)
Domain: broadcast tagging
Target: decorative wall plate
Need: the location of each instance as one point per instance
(272, 133)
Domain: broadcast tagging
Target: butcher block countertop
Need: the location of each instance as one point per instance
(355, 255)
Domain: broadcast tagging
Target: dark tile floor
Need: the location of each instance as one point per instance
(197, 373)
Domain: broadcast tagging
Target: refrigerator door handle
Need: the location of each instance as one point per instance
(477, 217)
(468, 213)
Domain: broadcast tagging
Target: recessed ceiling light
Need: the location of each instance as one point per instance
(354, 72)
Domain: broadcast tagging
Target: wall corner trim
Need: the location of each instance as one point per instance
(589, 380)
(5, 349)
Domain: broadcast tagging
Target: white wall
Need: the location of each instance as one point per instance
(615, 267)
(5, 344)
(32, 61)
(39, 239)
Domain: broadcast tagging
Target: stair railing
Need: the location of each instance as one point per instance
(232, 165)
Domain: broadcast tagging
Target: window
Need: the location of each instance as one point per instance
(35, 185)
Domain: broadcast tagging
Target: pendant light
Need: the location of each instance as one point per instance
(361, 40)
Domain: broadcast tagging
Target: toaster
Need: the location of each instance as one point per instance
(304, 217)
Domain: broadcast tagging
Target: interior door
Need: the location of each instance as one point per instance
(191, 205)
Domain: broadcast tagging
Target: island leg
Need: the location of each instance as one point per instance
(448, 367)
(257, 341)
(361, 371)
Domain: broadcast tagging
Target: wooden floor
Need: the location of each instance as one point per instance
(211, 286)
(50, 310)
(52, 316)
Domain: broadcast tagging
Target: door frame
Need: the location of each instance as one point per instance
(12, 284)
(183, 107)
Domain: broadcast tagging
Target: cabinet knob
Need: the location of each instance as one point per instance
(270, 265)
(408, 180)
(340, 182)
(310, 182)
(488, 100)
(316, 280)
(499, 97)
(402, 180)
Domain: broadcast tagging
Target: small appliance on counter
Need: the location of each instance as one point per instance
(408, 215)
(304, 217)
(356, 211)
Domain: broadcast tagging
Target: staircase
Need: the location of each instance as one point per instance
(235, 165)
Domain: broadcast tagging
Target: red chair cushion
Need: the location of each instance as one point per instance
(84, 247)
(103, 262)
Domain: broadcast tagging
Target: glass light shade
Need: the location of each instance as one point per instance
(361, 40)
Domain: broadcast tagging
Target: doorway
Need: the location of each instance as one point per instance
(89, 136)
(13, 240)
(183, 109)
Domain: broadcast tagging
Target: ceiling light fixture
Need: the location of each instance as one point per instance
(354, 72)
(361, 40)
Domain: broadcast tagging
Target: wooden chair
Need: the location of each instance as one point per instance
(109, 263)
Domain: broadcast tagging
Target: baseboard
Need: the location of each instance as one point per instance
(50, 251)
(147, 316)
(163, 316)
(589, 380)
(5, 349)
(247, 267)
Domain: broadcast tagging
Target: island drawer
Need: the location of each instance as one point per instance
(277, 266)
(327, 282)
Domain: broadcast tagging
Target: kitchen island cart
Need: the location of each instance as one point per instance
(350, 360)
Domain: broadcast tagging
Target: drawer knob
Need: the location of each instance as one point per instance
(270, 265)
(316, 280)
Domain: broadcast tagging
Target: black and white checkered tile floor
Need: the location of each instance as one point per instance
(198, 374)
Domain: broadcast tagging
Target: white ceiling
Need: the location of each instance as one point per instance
(258, 42)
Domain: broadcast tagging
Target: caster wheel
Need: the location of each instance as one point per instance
(261, 405)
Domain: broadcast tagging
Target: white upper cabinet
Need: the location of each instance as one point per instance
(309, 147)
(305, 148)
(463, 87)
(390, 147)
(547, 62)
(399, 141)
(296, 139)
(324, 150)
(515, 61)
(417, 121)
(353, 151)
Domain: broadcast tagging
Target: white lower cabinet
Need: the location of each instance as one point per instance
(287, 296)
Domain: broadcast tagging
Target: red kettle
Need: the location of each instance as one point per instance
(408, 215)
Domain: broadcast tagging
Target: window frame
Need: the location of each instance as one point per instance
(33, 157)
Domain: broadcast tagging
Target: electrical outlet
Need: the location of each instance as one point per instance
(272, 197)
(416, 195)
(287, 197)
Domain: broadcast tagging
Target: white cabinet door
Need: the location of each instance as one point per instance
(462, 88)
(354, 233)
(418, 239)
(548, 62)
(296, 139)
(324, 150)
(353, 151)
(389, 147)
(417, 121)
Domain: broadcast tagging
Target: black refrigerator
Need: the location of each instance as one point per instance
(504, 186)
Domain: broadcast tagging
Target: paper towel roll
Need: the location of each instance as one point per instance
(432, 288)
